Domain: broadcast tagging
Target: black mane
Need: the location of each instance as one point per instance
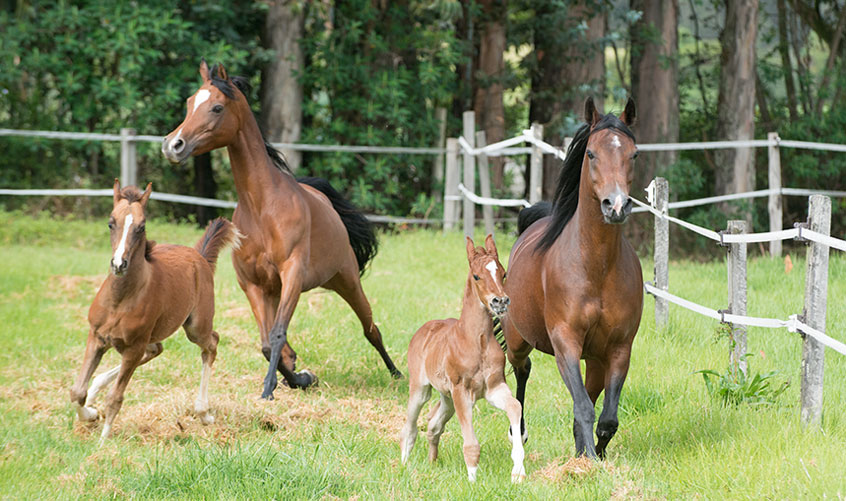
(566, 197)
(241, 84)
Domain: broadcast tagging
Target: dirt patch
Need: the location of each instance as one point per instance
(74, 286)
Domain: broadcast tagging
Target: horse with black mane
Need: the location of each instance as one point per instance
(298, 233)
(575, 282)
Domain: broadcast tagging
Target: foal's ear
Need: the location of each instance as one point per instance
(629, 115)
(117, 196)
(591, 115)
(146, 195)
(221, 72)
(471, 248)
(204, 71)
(490, 245)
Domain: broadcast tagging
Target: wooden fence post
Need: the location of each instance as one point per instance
(451, 206)
(469, 133)
(485, 183)
(816, 292)
(774, 200)
(662, 251)
(737, 296)
(438, 167)
(128, 163)
(536, 166)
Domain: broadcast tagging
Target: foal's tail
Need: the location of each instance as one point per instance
(362, 238)
(219, 233)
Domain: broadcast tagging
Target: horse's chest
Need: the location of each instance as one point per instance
(256, 266)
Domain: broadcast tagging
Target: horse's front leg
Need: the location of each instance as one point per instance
(292, 281)
(615, 376)
(95, 347)
(568, 351)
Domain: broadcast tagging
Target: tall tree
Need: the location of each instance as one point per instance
(281, 90)
(488, 102)
(735, 168)
(567, 65)
(655, 83)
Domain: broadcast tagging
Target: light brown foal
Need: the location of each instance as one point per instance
(463, 361)
(151, 291)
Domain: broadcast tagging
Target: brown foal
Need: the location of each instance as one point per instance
(151, 291)
(298, 233)
(575, 280)
(464, 362)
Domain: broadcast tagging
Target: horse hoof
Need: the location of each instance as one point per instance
(87, 414)
(396, 374)
(517, 478)
(267, 395)
(207, 419)
(310, 378)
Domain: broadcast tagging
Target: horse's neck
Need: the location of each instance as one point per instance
(474, 319)
(599, 241)
(256, 178)
(135, 280)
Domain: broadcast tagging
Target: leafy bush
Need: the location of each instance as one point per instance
(734, 387)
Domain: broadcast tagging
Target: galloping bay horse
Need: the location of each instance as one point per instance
(151, 291)
(462, 359)
(298, 234)
(574, 280)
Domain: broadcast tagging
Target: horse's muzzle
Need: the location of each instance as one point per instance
(616, 207)
(499, 305)
(175, 151)
(119, 269)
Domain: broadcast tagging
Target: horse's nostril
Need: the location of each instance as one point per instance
(178, 145)
(506, 301)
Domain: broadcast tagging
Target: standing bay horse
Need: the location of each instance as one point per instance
(463, 361)
(151, 291)
(298, 234)
(574, 280)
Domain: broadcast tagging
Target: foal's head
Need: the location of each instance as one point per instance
(610, 155)
(213, 117)
(126, 224)
(488, 275)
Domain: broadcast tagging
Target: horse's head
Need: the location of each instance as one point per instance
(488, 275)
(610, 154)
(213, 117)
(126, 224)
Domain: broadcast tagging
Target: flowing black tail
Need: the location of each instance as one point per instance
(362, 238)
(531, 214)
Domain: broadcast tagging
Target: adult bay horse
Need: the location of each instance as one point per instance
(574, 280)
(297, 234)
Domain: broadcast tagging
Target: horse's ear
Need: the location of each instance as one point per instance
(146, 195)
(471, 248)
(204, 71)
(591, 115)
(117, 196)
(629, 115)
(221, 72)
(490, 245)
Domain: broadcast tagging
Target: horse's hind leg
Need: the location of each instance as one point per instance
(522, 370)
(130, 359)
(348, 285)
(464, 411)
(418, 395)
(437, 421)
(500, 397)
(199, 331)
(615, 376)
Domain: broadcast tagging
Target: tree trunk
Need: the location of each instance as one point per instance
(488, 104)
(204, 186)
(786, 66)
(736, 107)
(281, 90)
(567, 72)
(655, 84)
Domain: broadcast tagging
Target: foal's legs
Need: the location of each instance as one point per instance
(522, 370)
(418, 395)
(500, 397)
(567, 356)
(437, 421)
(348, 285)
(199, 331)
(130, 359)
(464, 402)
(94, 349)
(615, 376)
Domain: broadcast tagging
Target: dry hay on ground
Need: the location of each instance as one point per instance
(576, 468)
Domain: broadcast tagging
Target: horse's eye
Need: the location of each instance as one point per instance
(217, 108)
(475, 277)
(635, 155)
(590, 154)
(111, 225)
(504, 275)
(141, 228)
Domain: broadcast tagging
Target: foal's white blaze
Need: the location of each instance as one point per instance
(491, 267)
(117, 260)
(615, 141)
(201, 97)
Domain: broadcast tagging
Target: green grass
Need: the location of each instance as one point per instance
(341, 439)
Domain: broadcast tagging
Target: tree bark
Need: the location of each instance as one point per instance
(488, 104)
(655, 84)
(568, 71)
(736, 106)
(204, 186)
(281, 90)
(786, 66)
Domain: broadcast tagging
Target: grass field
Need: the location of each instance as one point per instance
(340, 440)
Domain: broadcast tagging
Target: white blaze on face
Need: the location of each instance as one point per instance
(201, 97)
(618, 203)
(491, 267)
(117, 260)
(615, 141)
